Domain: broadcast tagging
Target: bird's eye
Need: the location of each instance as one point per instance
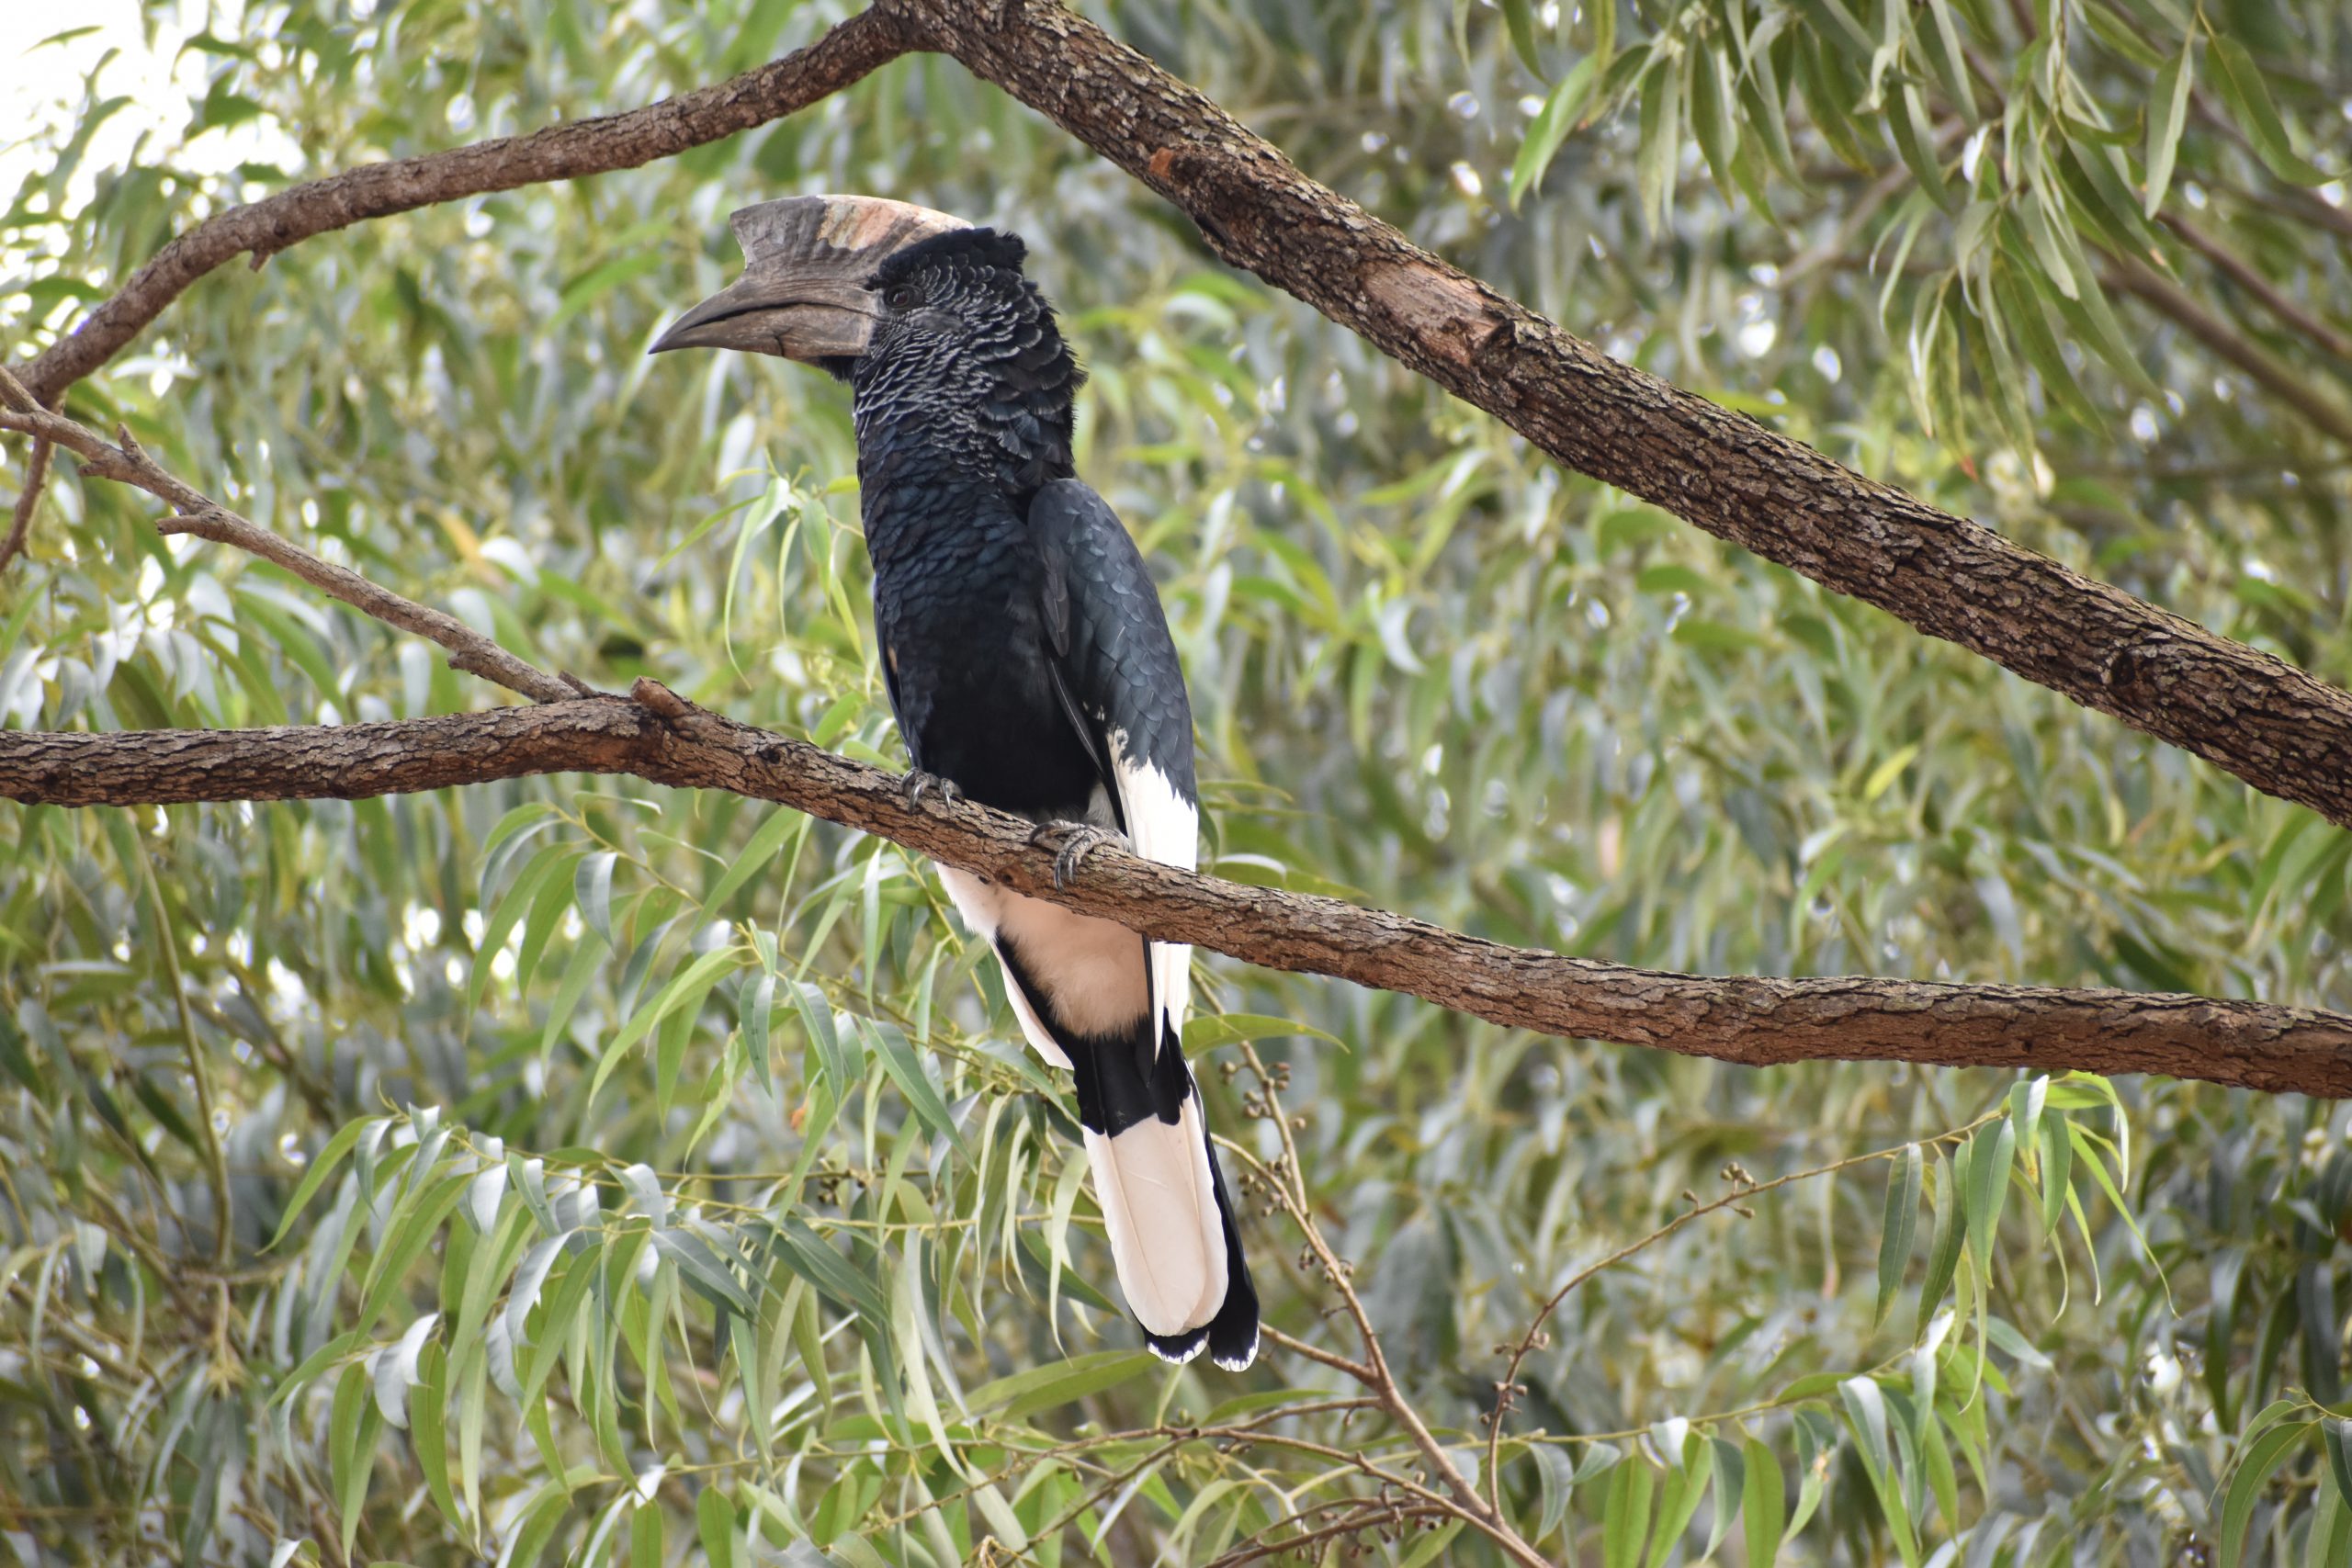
(905, 296)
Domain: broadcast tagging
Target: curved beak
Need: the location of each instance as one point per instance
(807, 260)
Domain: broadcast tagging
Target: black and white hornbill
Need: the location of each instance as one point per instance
(1030, 668)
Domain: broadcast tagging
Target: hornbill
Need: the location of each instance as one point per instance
(1030, 668)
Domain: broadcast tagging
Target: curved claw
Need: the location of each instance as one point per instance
(919, 784)
(1078, 839)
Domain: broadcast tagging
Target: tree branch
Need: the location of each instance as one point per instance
(20, 521)
(2272, 724)
(200, 514)
(2295, 388)
(376, 190)
(2320, 334)
(1755, 1022)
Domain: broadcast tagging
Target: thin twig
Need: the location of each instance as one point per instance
(1372, 1516)
(126, 461)
(2320, 334)
(1506, 1390)
(1332, 1359)
(20, 523)
(1290, 1185)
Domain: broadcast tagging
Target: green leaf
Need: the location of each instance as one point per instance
(1686, 1487)
(1915, 140)
(810, 1257)
(2026, 1099)
(2241, 83)
(592, 889)
(428, 1404)
(1432, 1545)
(714, 1527)
(2329, 1544)
(1659, 156)
(1943, 1250)
(1950, 60)
(1519, 18)
(2167, 115)
(897, 1056)
(758, 1010)
(704, 1267)
(1207, 1032)
(1625, 1514)
(1764, 1508)
(783, 823)
(1991, 1152)
(321, 1167)
(1713, 118)
(1025, 1393)
(2057, 1169)
(2259, 1459)
(582, 292)
(547, 866)
(688, 985)
(1898, 1224)
(645, 1545)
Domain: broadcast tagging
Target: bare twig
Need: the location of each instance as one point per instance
(1287, 1182)
(20, 522)
(568, 151)
(14, 396)
(197, 513)
(1507, 1390)
(2321, 334)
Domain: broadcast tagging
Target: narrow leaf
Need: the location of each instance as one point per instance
(1899, 1224)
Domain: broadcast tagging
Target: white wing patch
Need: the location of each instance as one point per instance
(1165, 827)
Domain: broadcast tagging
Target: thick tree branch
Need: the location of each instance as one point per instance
(1755, 1022)
(2270, 724)
(2266, 721)
(376, 190)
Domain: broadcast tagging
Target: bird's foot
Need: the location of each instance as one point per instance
(919, 784)
(1073, 841)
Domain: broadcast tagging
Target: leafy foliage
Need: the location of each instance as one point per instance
(611, 1169)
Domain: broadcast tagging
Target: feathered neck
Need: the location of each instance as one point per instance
(975, 388)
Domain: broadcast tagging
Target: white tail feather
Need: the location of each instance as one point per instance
(1167, 1237)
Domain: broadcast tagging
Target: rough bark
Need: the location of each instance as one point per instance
(1755, 1022)
(2270, 723)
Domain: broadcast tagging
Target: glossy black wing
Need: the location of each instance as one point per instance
(1117, 669)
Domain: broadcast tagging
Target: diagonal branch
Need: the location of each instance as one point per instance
(376, 190)
(198, 515)
(1753, 1020)
(2270, 723)
(2321, 334)
(2295, 388)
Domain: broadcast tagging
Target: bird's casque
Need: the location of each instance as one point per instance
(1030, 667)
